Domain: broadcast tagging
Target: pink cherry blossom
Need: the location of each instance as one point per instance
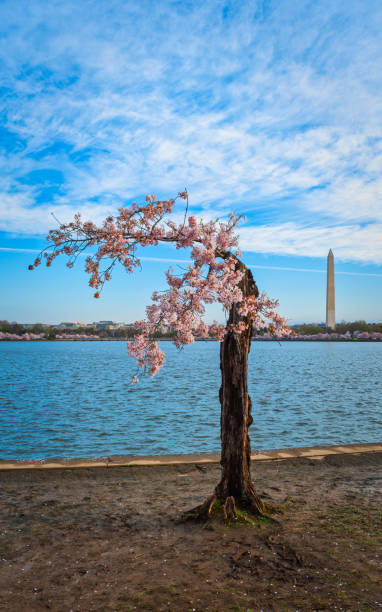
(214, 274)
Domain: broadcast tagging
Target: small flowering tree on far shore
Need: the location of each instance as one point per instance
(216, 274)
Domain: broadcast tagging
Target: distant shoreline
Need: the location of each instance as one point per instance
(288, 339)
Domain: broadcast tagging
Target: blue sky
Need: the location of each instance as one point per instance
(272, 109)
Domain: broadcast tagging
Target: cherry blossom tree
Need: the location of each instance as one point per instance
(216, 274)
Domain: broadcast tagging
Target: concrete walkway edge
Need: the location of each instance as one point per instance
(312, 452)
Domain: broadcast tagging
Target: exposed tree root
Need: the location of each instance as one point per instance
(202, 512)
(230, 511)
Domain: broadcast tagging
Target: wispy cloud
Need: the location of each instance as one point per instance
(287, 269)
(14, 250)
(313, 241)
(272, 110)
(175, 261)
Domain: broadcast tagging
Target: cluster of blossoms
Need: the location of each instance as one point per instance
(27, 336)
(214, 275)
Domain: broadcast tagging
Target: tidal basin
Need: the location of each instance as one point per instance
(74, 399)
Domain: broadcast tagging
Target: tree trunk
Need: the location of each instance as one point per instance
(236, 410)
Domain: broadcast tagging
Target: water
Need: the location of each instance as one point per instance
(73, 399)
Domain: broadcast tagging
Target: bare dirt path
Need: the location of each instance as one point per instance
(107, 539)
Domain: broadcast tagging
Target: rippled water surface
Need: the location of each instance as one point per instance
(73, 399)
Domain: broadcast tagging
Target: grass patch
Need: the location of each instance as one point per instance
(357, 522)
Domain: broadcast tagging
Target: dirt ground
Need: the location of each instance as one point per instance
(108, 539)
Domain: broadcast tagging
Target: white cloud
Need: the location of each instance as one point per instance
(348, 242)
(18, 217)
(272, 111)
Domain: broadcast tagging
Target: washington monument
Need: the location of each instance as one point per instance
(330, 302)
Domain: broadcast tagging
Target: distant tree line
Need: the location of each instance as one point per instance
(18, 328)
(51, 331)
(121, 332)
(308, 329)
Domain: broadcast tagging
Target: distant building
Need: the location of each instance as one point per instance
(105, 324)
(29, 325)
(70, 325)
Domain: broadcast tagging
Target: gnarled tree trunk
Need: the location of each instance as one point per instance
(236, 410)
(235, 486)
